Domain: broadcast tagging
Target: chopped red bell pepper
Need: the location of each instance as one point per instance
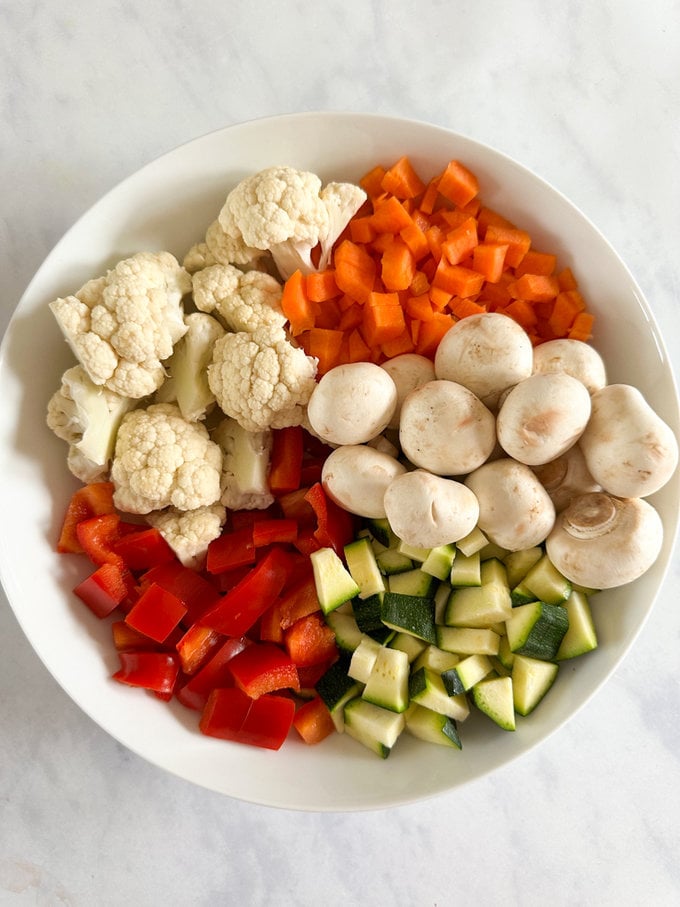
(103, 590)
(270, 624)
(195, 646)
(156, 613)
(126, 638)
(310, 675)
(310, 641)
(232, 549)
(307, 541)
(144, 549)
(238, 610)
(213, 674)
(195, 591)
(156, 671)
(295, 506)
(313, 721)
(263, 668)
(243, 519)
(97, 536)
(231, 714)
(335, 526)
(286, 459)
(271, 532)
(91, 500)
(299, 601)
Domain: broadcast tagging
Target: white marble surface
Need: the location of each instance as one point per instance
(588, 94)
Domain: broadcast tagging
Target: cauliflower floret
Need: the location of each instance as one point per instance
(243, 301)
(245, 466)
(85, 469)
(190, 532)
(87, 418)
(122, 326)
(198, 257)
(188, 364)
(342, 201)
(283, 210)
(227, 247)
(261, 379)
(161, 460)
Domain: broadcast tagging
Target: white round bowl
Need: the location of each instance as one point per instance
(167, 205)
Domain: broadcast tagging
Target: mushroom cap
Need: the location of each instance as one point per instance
(446, 429)
(352, 403)
(629, 450)
(486, 353)
(566, 477)
(356, 476)
(601, 541)
(572, 357)
(426, 510)
(408, 371)
(515, 510)
(542, 417)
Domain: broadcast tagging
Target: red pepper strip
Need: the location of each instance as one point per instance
(298, 602)
(156, 613)
(144, 549)
(195, 591)
(232, 715)
(335, 526)
(237, 611)
(286, 459)
(231, 549)
(126, 638)
(103, 590)
(311, 471)
(88, 501)
(270, 532)
(195, 646)
(310, 641)
(155, 671)
(270, 624)
(231, 578)
(97, 535)
(307, 541)
(263, 668)
(242, 519)
(310, 675)
(214, 673)
(313, 721)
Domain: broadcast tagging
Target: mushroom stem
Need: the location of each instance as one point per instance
(590, 516)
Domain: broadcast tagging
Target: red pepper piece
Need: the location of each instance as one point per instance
(232, 715)
(286, 459)
(195, 591)
(103, 590)
(231, 578)
(195, 646)
(313, 721)
(97, 536)
(263, 668)
(298, 602)
(310, 641)
(243, 519)
(307, 541)
(214, 673)
(230, 550)
(144, 549)
(335, 526)
(156, 613)
(126, 638)
(271, 532)
(270, 624)
(156, 671)
(295, 506)
(310, 675)
(239, 609)
(91, 500)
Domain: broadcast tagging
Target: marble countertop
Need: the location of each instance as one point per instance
(588, 95)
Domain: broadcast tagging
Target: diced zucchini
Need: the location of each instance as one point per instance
(426, 688)
(336, 688)
(581, 637)
(537, 629)
(412, 582)
(480, 606)
(409, 613)
(531, 680)
(439, 561)
(472, 543)
(363, 567)
(387, 684)
(416, 554)
(468, 640)
(441, 598)
(432, 727)
(547, 583)
(363, 659)
(505, 655)
(334, 583)
(381, 531)
(347, 632)
(436, 659)
(376, 728)
(494, 697)
(367, 613)
(466, 674)
(391, 561)
(521, 595)
(409, 644)
(465, 570)
(518, 563)
(492, 550)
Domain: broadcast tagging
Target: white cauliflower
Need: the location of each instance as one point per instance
(198, 257)
(285, 211)
(87, 417)
(261, 379)
(188, 366)
(85, 469)
(244, 302)
(245, 466)
(230, 248)
(161, 460)
(121, 327)
(190, 532)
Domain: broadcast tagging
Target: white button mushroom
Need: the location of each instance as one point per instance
(628, 448)
(425, 510)
(408, 371)
(515, 510)
(573, 357)
(356, 476)
(486, 353)
(601, 541)
(446, 429)
(352, 403)
(566, 477)
(542, 417)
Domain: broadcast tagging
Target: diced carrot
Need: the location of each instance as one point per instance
(537, 263)
(534, 288)
(566, 280)
(419, 307)
(313, 721)
(390, 216)
(523, 313)
(460, 241)
(487, 217)
(351, 318)
(321, 285)
(296, 304)
(354, 270)
(439, 298)
(435, 237)
(461, 308)
(382, 323)
(431, 332)
(358, 350)
(397, 265)
(371, 182)
(458, 184)
(518, 242)
(488, 259)
(420, 284)
(430, 196)
(327, 314)
(381, 243)
(402, 180)
(324, 345)
(399, 345)
(568, 305)
(414, 237)
(457, 280)
(582, 328)
(361, 230)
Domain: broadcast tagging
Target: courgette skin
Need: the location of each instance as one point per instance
(537, 629)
